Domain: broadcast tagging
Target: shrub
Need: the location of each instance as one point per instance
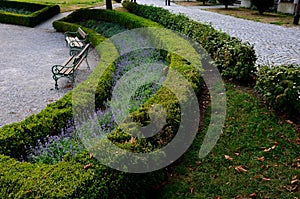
(69, 178)
(234, 59)
(226, 3)
(262, 5)
(280, 86)
(38, 13)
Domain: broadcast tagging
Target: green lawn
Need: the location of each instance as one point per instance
(258, 155)
(68, 5)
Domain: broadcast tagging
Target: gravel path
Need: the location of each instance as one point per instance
(27, 55)
(274, 45)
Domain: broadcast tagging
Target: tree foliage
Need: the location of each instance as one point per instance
(262, 5)
(226, 2)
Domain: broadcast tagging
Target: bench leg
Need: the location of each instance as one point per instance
(55, 79)
(56, 85)
(87, 63)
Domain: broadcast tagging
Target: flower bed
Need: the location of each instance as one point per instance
(234, 59)
(84, 176)
(26, 14)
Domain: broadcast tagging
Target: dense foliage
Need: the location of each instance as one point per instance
(26, 14)
(226, 2)
(262, 5)
(82, 175)
(234, 59)
(280, 86)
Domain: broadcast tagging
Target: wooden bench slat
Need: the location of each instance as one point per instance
(75, 40)
(69, 67)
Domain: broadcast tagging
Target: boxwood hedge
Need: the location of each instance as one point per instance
(280, 87)
(234, 59)
(39, 13)
(69, 178)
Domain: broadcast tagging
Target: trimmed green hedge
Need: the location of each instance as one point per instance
(69, 179)
(39, 13)
(234, 59)
(280, 86)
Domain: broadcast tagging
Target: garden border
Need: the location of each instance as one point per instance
(40, 13)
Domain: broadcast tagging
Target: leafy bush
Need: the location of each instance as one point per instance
(280, 86)
(70, 178)
(107, 29)
(35, 13)
(262, 5)
(234, 59)
(226, 2)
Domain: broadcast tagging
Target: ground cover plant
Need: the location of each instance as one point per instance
(249, 14)
(69, 5)
(26, 14)
(234, 59)
(260, 153)
(86, 177)
(257, 156)
(14, 10)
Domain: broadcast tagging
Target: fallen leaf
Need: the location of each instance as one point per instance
(269, 149)
(87, 166)
(237, 154)
(289, 121)
(294, 181)
(265, 179)
(253, 195)
(261, 159)
(240, 169)
(192, 190)
(91, 155)
(228, 157)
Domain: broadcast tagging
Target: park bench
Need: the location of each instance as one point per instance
(70, 66)
(76, 40)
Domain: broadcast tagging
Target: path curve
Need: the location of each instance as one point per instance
(274, 45)
(27, 56)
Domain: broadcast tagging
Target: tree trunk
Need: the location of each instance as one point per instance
(297, 13)
(108, 4)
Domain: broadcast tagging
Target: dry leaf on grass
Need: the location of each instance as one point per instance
(262, 159)
(269, 149)
(253, 195)
(87, 166)
(240, 169)
(228, 157)
(294, 180)
(265, 179)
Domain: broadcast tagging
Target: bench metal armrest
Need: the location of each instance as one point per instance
(57, 68)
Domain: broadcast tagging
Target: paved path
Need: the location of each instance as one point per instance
(26, 58)
(274, 45)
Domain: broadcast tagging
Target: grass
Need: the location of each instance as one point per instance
(249, 14)
(68, 5)
(267, 17)
(257, 155)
